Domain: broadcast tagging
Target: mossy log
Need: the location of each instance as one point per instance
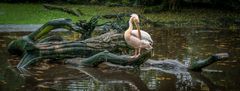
(106, 47)
(107, 56)
(58, 50)
(166, 66)
(40, 35)
(19, 46)
(199, 64)
(37, 46)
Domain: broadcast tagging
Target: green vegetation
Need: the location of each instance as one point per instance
(28, 14)
(37, 14)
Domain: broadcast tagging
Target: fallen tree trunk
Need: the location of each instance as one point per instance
(106, 47)
(19, 46)
(58, 50)
(37, 46)
(40, 35)
(107, 56)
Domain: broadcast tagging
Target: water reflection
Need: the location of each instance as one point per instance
(115, 79)
(126, 80)
(179, 45)
(10, 79)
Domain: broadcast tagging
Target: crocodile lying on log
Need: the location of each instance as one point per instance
(106, 47)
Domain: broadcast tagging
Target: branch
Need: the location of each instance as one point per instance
(73, 11)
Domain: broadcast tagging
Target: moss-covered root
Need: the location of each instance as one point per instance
(106, 56)
(198, 65)
(51, 25)
(19, 46)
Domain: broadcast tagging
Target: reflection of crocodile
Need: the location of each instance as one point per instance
(39, 46)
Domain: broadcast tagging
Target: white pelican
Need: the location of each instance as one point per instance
(137, 38)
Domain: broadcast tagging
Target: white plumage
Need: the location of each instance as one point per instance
(137, 38)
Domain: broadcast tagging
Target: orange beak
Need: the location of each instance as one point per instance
(138, 28)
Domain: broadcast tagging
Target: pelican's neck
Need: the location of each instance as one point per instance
(127, 33)
(130, 27)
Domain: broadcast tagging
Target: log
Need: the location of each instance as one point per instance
(198, 65)
(86, 48)
(85, 28)
(106, 47)
(166, 66)
(19, 46)
(36, 46)
(106, 56)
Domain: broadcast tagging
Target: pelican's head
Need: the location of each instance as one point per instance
(136, 22)
(135, 18)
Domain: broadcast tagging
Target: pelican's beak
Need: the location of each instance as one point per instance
(138, 28)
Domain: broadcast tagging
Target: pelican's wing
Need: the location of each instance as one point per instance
(145, 35)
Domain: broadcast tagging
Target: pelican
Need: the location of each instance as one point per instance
(138, 39)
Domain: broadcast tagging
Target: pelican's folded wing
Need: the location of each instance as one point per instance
(145, 35)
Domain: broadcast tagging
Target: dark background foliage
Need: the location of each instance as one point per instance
(161, 4)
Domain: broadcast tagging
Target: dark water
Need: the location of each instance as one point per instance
(183, 45)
